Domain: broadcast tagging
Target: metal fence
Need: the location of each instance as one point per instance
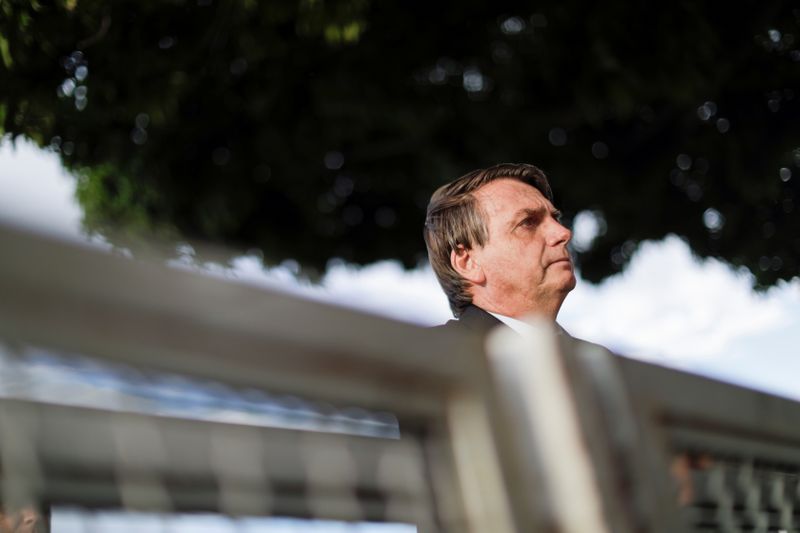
(360, 418)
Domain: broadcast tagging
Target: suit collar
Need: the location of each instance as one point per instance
(476, 319)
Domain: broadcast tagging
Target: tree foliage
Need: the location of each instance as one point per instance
(312, 129)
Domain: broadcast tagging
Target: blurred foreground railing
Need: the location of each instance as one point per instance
(509, 434)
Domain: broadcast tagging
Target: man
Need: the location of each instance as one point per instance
(497, 247)
(500, 253)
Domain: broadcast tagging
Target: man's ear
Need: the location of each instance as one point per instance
(463, 261)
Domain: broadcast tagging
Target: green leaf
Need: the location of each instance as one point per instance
(8, 61)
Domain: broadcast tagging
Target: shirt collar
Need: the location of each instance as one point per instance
(522, 327)
(517, 325)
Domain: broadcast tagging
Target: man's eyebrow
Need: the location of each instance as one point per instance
(524, 213)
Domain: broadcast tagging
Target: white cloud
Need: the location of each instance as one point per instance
(669, 305)
(36, 191)
(384, 288)
(388, 289)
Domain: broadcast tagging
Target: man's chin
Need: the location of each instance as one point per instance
(569, 283)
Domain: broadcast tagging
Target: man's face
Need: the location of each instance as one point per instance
(525, 262)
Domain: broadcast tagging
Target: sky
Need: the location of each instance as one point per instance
(667, 306)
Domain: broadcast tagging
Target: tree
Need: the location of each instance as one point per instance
(313, 130)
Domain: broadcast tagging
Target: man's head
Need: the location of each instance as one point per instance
(494, 240)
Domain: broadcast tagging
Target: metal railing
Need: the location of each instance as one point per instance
(507, 434)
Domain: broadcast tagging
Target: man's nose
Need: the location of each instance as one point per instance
(558, 234)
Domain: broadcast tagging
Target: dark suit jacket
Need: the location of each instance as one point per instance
(472, 319)
(476, 320)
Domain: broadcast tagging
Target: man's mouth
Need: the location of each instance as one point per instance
(562, 260)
